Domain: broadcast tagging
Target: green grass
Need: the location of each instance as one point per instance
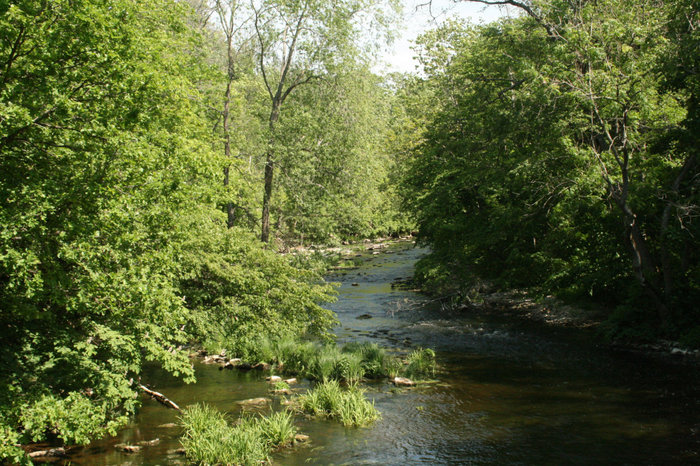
(209, 438)
(421, 364)
(281, 385)
(351, 363)
(348, 406)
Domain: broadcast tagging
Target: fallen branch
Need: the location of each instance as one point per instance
(160, 398)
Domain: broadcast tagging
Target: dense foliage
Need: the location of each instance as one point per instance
(114, 247)
(561, 154)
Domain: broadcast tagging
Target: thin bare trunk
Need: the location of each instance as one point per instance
(230, 208)
(269, 173)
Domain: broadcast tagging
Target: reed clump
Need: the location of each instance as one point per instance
(347, 405)
(209, 438)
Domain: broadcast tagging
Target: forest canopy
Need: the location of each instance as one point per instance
(559, 153)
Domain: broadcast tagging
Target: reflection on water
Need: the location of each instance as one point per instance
(509, 393)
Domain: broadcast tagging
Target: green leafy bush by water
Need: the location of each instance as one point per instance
(210, 439)
(348, 406)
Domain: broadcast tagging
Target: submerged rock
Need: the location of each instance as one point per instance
(149, 443)
(169, 425)
(301, 438)
(254, 402)
(273, 378)
(364, 316)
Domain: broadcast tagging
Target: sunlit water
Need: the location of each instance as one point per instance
(509, 392)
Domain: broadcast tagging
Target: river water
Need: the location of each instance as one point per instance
(510, 392)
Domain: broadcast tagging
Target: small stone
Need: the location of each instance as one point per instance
(355, 284)
(177, 451)
(273, 378)
(282, 391)
(169, 425)
(301, 438)
(402, 382)
(233, 363)
(291, 381)
(127, 448)
(50, 453)
(254, 402)
(364, 316)
(149, 443)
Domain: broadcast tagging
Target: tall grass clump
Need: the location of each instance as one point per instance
(277, 429)
(294, 356)
(421, 363)
(326, 363)
(373, 357)
(210, 439)
(329, 400)
(351, 368)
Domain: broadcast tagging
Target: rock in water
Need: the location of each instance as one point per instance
(127, 448)
(254, 402)
(403, 382)
(51, 453)
(150, 443)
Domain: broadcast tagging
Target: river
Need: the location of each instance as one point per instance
(510, 392)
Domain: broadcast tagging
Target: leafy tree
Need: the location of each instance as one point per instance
(559, 153)
(298, 43)
(113, 251)
(334, 166)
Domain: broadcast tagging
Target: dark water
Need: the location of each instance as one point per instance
(509, 393)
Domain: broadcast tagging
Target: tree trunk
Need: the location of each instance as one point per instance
(267, 195)
(230, 208)
(643, 264)
(269, 171)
